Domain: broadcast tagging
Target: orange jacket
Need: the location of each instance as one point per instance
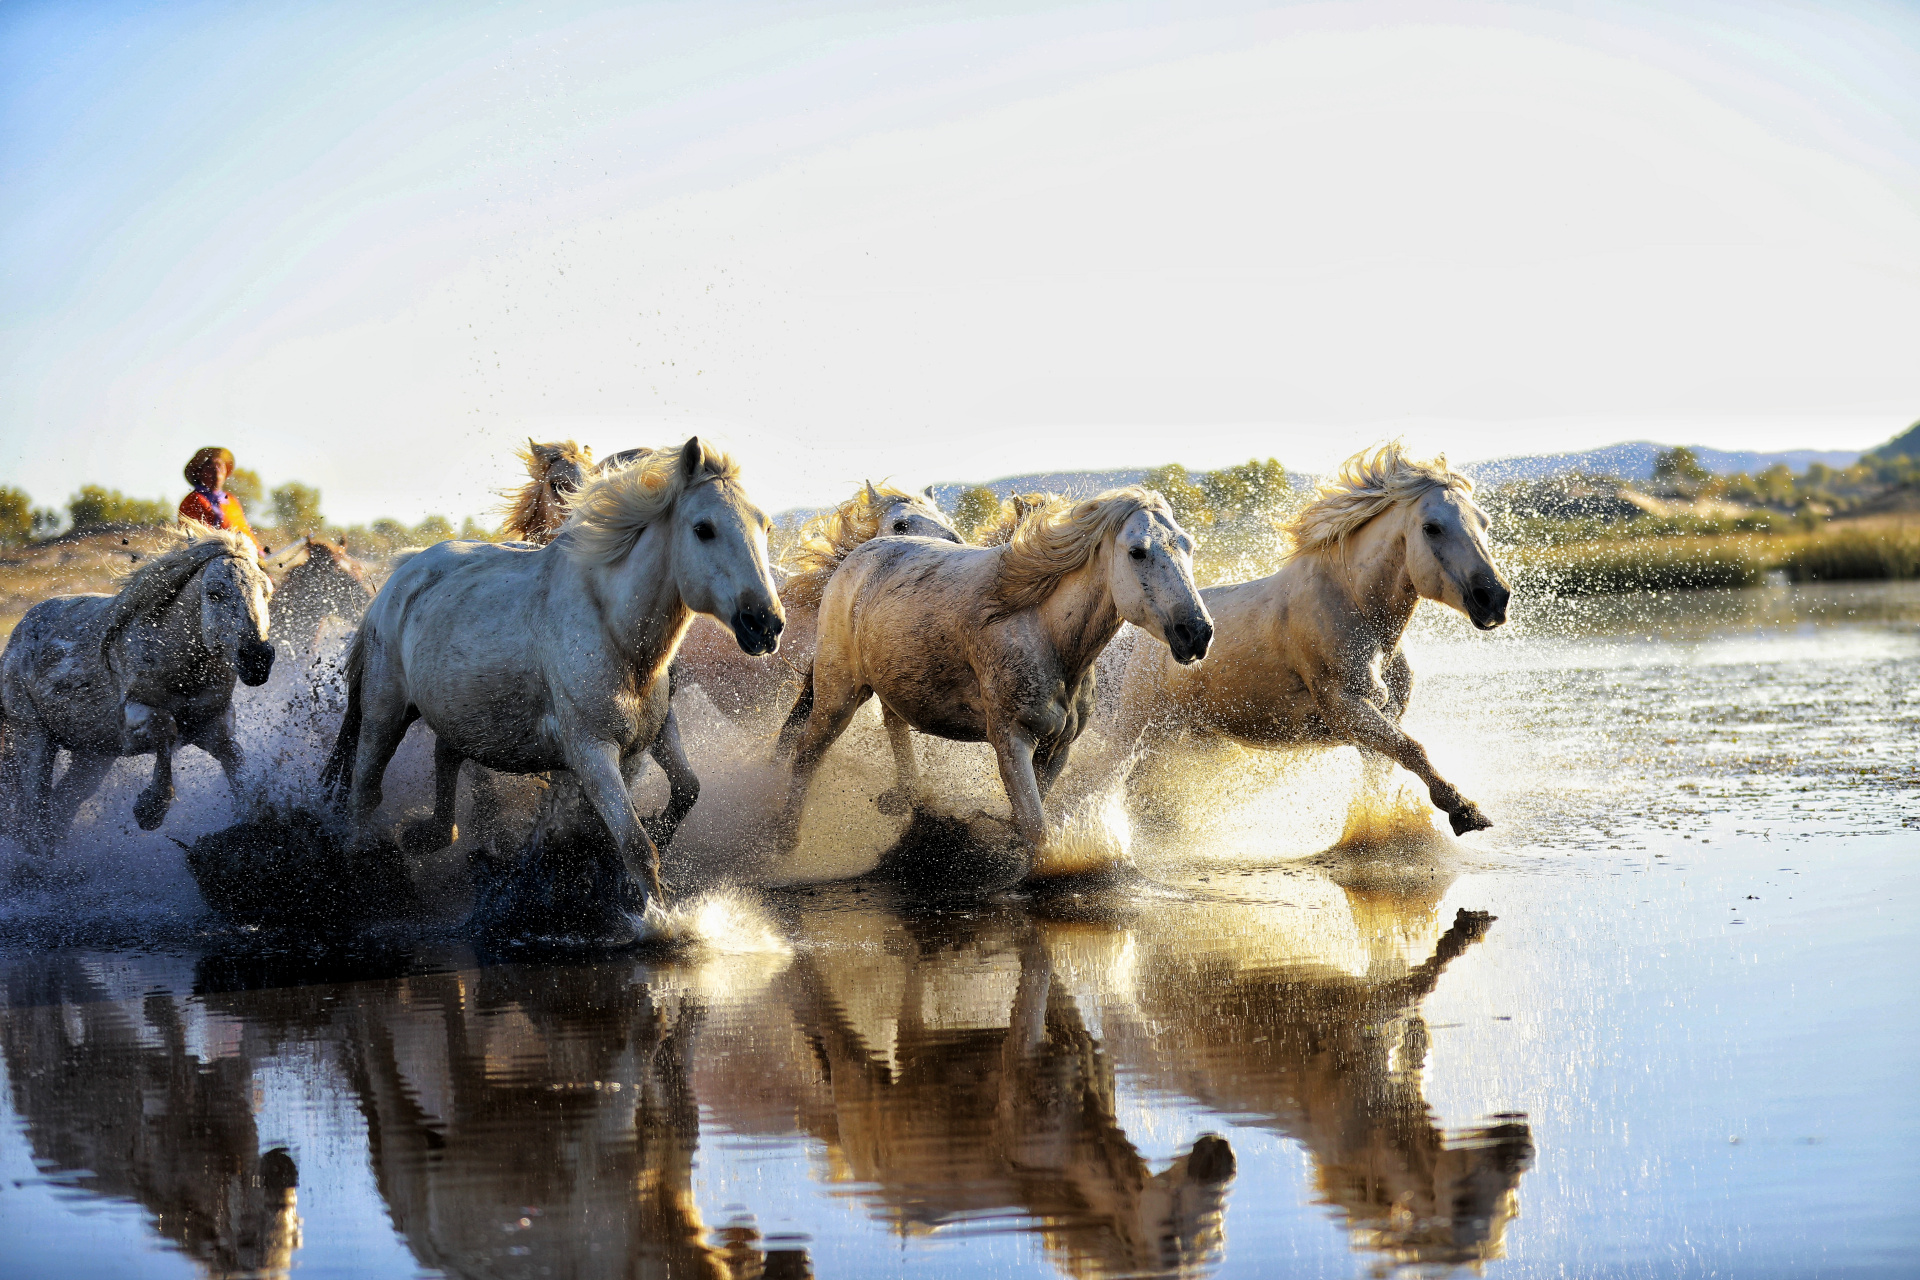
(220, 510)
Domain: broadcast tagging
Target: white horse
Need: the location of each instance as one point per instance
(134, 673)
(995, 644)
(1310, 655)
(743, 687)
(528, 660)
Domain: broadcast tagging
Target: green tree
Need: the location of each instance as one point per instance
(975, 508)
(47, 521)
(433, 529)
(95, 508)
(296, 509)
(1188, 500)
(16, 516)
(471, 530)
(247, 486)
(1252, 488)
(1679, 466)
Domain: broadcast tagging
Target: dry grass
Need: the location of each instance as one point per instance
(68, 566)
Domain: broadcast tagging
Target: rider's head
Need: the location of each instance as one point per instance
(210, 467)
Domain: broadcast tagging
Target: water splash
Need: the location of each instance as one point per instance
(727, 921)
(1095, 835)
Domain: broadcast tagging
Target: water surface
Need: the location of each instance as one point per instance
(1658, 1022)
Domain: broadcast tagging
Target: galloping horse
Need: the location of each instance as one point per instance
(555, 472)
(740, 686)
(995, 644)
(323, 582)
(1298, 651)
(527, 660)
(130, 674)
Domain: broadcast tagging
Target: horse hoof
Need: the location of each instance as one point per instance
(150, 810)
(424, 835)
(893, 803)
(1468, 818)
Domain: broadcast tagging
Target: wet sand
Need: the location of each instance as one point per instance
(1657, 1022)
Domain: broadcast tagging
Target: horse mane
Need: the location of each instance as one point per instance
(1367, 484)
(1014, 510)
(613, 508)
(155, 582)
(826, 540)
(1060, 537)
(522, 510)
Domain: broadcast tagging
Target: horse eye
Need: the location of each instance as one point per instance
(703, 531)
(1138, 553)
(1432, 530)
(899, 526)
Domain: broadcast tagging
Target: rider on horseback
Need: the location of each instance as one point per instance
(209, 503)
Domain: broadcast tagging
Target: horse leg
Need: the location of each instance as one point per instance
(598, 767)
(1353, 717)
(440, 830)
(1014, 751)
(157, 729)
(905, 795)
(834, 704)
(31, 752)
(1048, 764)
(683, 785)
(381, 730)
(216, 739)
(85, 772)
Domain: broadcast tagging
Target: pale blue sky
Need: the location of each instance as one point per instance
(372, 246)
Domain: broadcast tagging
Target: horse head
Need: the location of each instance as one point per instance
(719, 550)
(234, 591)
(1150, 572)
(1448, 559)
(910, 515)
(561, 466)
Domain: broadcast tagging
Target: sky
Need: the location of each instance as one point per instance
(373, 247)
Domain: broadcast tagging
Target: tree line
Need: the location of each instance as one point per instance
(282, 514)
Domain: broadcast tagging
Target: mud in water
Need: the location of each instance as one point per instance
(1268, 1019)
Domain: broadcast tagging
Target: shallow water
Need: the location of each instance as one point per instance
(1685, 1043)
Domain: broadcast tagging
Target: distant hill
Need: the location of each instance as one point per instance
(1635, 462)
(1904, 445)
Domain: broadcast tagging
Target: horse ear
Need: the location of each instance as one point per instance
(873, 496)
(693, 455)
(927, 493)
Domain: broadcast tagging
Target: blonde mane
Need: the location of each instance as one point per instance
(154, 583)
(828, 539)
(526, 517)
(1060, 537)
(612, 509)
(1368, 483)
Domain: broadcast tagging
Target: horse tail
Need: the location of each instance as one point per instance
(337, 777)
(797, 718)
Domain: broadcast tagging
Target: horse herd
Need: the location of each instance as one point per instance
(560, 653)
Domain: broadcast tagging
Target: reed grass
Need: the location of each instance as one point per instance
(1650, 565)
(1854, 554)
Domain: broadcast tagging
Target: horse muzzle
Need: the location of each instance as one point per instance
(1189, 640)
(254, 662)
(1487, 598)
(758, 630)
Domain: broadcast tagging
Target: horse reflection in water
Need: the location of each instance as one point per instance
(956, 1072)
(111, 1099)
(554, 1101)
(1334, 1059)
(953, 1098)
